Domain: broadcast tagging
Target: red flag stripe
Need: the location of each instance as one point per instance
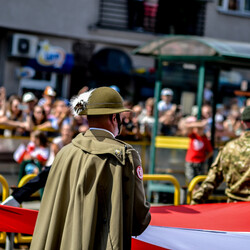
(141, 245)
(233, 217)
(17, 220)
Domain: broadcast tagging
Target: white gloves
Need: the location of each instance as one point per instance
(11, 201)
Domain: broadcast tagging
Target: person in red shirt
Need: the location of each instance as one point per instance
(199, 150)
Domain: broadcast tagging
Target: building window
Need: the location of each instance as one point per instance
(234, 5)
(237, 7)
(247, 5)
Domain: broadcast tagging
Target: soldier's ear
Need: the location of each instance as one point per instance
(112, 118)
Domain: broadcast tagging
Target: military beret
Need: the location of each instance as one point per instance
(245, 116)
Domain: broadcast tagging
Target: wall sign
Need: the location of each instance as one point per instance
(49, 55)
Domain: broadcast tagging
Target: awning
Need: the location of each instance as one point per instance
(196, 49)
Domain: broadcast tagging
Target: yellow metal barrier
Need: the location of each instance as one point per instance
(171, 142)
(192, 184)
(196, 180)
(34, 128)
(165, 177)
(25, 179)
(19, 238)
(168, 142)
(5, 187)
(5, 194)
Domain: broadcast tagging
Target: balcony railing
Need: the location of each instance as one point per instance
(157, 16)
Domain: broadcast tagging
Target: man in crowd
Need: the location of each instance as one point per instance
(232, 165)
(94, 196)
(166, 101)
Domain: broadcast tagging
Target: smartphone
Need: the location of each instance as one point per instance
(22, 107)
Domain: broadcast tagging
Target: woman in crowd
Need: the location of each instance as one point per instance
(14, 117)
(146, 118)
(38, 119)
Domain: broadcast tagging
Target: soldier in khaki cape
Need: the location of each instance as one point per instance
(94, 196)
(232, 165)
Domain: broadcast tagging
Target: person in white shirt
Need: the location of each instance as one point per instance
(166, 101)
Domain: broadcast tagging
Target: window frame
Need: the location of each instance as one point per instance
(223, 8)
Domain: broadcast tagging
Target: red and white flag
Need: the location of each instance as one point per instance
(199, 227)
(19, 153)
(220, 226)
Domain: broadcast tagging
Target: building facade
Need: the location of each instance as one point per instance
(59, 43)
(228, 19)
(53, 42)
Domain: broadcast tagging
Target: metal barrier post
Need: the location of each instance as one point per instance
(19, 238)
(9, 241)
(5, 194)
(165, 177)
(5, 187)
(192, 185)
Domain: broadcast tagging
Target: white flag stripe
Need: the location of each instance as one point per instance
(193, 239)
(19, 153)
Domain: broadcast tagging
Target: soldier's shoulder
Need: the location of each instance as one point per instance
(128, 146)
(233, 142)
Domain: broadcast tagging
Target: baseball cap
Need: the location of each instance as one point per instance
(245, 116)
(28, 97)
(219, 118)
(49, 91)
(167, 91)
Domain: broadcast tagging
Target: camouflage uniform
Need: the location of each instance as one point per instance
(233, 166)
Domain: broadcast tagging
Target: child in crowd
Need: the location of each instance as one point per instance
(37, 151)
(199, 150)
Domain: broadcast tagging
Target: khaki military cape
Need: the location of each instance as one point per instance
(94, 198)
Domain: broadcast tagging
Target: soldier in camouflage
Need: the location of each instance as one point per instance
(232, 165)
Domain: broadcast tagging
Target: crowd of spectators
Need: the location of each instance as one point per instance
(49, 117)
(20, 115)
(23, 114)
(173, 122)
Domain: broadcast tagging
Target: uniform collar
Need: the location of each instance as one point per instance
(100, 141)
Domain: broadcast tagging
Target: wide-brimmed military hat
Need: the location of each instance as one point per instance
(99, 101)
(245, 116)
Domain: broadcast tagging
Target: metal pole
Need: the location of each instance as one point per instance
(200, 88)
(9, 245)
(157, 90)
(215, 101)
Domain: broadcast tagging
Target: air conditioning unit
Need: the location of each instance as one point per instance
(24, 45)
